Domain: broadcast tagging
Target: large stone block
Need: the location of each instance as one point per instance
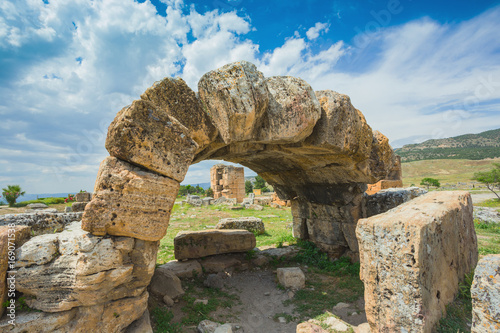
(485, 293)
(291, 277)
(292, 113)
(412, 259)
(342, 128)
(146, 135)
(198, 244)
(177, 100)
(250, 223)
(129, 201)
(236, 97)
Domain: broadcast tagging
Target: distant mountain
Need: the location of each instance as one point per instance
(468, 146)
(202, 185)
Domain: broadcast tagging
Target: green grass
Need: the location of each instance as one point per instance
(446, 171)
(488, 237)
(186, 217)
(459, 313)
(47, 201)
(492, 203)
(162, 321)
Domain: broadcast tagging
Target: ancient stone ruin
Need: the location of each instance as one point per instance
(314, 148)
(228, 181)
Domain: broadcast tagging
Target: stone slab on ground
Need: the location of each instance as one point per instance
(183, 269)
(220, 263)
(250, 223)
(485, 293)
(199, 244)
(413, 258)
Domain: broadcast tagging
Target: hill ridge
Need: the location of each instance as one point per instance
(467, 146)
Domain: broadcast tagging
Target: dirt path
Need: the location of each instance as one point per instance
(480, 197)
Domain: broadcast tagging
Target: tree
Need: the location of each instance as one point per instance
(209, 192)
(248, 187)
(430, 182)
(259, 183)
(490, 178)
(11, 193)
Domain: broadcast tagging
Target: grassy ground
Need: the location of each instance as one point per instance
(277, 222)
(446, 171)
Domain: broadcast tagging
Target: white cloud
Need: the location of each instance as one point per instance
(314, 32)
(420, 79)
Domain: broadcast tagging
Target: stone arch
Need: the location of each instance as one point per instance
(314, 148)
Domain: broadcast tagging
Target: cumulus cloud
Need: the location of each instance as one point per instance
(315, 31)
(82, 61)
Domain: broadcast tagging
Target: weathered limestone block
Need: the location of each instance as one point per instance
(252, 224)
(383, 185)
(111, 317)
(78, 206)
(384, 163)
(129, 201)
(330, 227)
(291, 277)
(485, 293)
(145, 135)
(220, 263)
(165, 282)
(177, 100)
(11, 237)
(41, 222)
(83, 197)
(292, 113)
(199, 244)
(385, 200)
(183, 269)
(342, 128)
(141, 325)
(236, 97)
(89, 270)
(412, 259)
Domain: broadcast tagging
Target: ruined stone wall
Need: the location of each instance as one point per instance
(228, 181)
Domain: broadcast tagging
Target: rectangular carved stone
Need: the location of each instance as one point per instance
(198, 244)
(485, 293)
(129, 201)
(412, 259)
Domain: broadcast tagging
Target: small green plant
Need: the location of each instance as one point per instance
(250, 255)
(459, 313)
(288, 317)
(162, 319)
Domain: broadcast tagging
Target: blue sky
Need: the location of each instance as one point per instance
(416, 69)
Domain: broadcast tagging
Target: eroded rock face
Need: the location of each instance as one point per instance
(177, 100)
(485, 293)
(199, 244)
(130, 201)
(236, 97)
(292, 112)
(146, 135)
(89, 270)
(412, 259)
